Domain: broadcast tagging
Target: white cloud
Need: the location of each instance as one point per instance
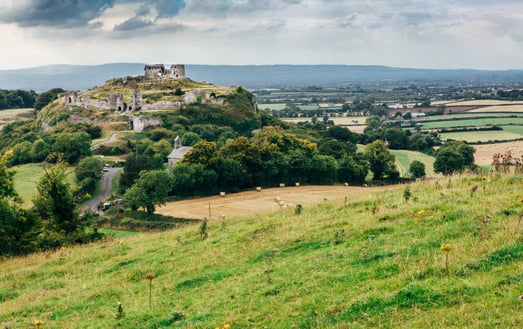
(428, 33)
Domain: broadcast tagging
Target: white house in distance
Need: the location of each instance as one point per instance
(177, 153)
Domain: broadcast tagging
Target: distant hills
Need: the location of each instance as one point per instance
(80, 77)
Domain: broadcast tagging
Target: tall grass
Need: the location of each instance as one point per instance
(375, 262)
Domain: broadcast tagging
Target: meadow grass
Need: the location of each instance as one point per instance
(374, 262)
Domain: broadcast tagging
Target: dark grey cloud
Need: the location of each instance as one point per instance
(133, 23)
(55, 13)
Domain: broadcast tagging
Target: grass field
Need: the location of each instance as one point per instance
(464, 116)
(374, 262)
(483, 136)
(26, 179)
(472, 122)
(275, 106)
(404, 159)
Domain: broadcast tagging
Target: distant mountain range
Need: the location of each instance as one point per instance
(81, 77)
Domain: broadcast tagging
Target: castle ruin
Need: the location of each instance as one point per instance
(159, 72)
(114, 102)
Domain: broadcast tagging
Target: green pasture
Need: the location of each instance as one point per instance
(468, 116)
(472, 123)
(274, 106)
(404, 158)
(312, 107)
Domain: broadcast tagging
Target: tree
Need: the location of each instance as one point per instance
(454, 156)
(149, 190)
(381, 161)
(341, 134)
(353, 169)
(231, 174)
(21, 153)
(46, 97)
(73, 146)
(18, 227)
(39, 151)
(396, 138)
(417, 169)
(203, 152)
(448, 161)
(88, 172)
(132, 168)
(7, 185)
(54, 201)
(323, 170)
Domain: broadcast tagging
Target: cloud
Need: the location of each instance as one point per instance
(133, 24)
(54, 13)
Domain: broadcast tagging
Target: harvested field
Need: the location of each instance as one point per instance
(481, 136)
(502, 108)
(7, 116)
(484, 153)
(253, 203)
(487, 102)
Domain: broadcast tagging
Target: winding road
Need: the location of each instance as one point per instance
(105, 190)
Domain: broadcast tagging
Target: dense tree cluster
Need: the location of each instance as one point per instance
(17, 99)
(54, 220)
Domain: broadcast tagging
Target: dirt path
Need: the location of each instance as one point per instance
(253, 202)
(111, 139)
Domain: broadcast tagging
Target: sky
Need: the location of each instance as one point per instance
(444, 34)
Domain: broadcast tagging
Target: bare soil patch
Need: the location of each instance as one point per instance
(267, 200)
(484, 153)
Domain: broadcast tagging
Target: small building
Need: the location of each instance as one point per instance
(177, 153)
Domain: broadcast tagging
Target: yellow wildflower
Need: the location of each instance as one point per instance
(421, 212)
(484, 178)
(446, 247)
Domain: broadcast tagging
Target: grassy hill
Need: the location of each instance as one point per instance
(373, 262)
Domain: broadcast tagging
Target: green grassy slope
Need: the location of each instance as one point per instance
(404, 158)
(375, 262)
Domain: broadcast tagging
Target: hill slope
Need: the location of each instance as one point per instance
(375, 262)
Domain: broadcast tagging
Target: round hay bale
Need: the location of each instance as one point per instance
(222, 194)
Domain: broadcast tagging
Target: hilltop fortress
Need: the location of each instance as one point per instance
(136, 102)
(115, 101)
